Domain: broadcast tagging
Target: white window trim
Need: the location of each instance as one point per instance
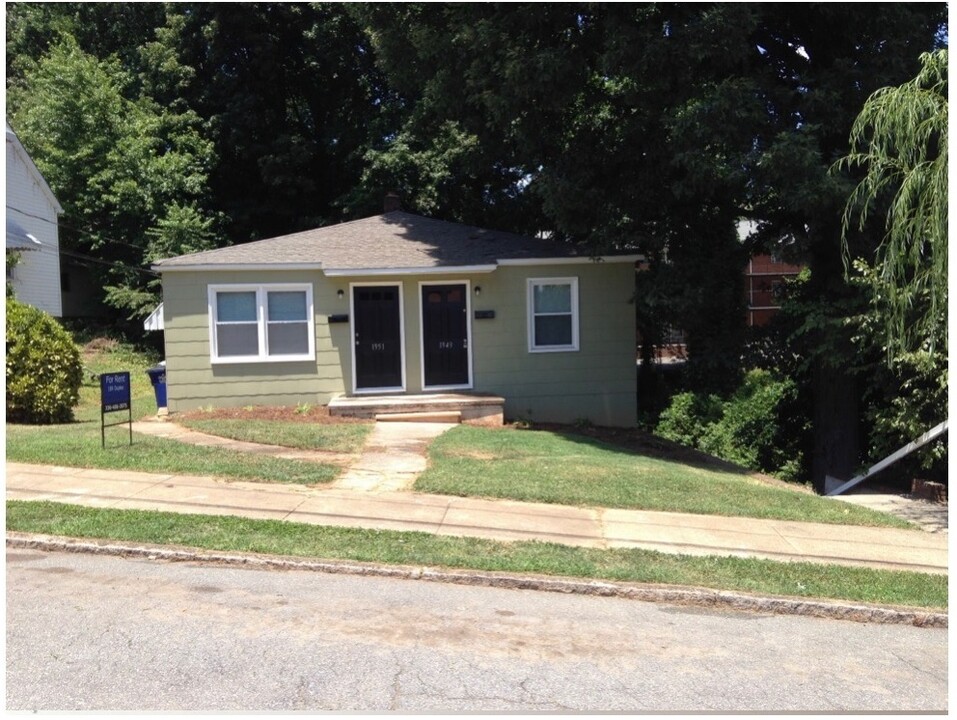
(468, 333)
(261, 323)
(530, 300)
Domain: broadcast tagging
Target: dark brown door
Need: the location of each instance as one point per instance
(377, 337)
(445, 335)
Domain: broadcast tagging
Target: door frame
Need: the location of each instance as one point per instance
(352, 337)
(468, 334)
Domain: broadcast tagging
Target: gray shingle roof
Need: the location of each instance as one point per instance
(394, 240)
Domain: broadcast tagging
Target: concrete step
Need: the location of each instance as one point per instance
(473, 409)
(437, 417)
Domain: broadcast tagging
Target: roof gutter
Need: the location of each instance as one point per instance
(578, 260)
(366, 272)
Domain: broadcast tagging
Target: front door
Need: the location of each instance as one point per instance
(377, 335)
(445, 345)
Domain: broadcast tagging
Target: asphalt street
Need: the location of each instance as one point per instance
(88, 632)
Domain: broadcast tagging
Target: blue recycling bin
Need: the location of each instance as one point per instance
(158, 378)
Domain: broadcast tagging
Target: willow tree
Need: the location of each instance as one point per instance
(900, 140)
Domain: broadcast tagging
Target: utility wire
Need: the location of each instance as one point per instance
(47, 250)
(74, 229)
(90, 258)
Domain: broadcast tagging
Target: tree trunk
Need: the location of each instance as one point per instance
(837, 436)
(836, 396)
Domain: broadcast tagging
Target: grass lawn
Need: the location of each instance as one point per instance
(570, 469)
(411, 548)
(77, 444)
(333, 437)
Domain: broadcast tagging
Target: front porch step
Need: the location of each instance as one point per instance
(437, 417)
(473, 409)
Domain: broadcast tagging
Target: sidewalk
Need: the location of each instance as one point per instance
(885, 548)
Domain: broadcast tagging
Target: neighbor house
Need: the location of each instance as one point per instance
(766, 277)
(400, 305)
(32, 232)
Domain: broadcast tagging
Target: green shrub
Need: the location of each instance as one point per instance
(903, 402)
(44, 371)
(688, 416)
(747, 429)
(748, 432)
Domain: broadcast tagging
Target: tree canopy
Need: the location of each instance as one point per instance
(900, 139)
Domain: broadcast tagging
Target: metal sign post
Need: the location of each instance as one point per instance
(115, 396)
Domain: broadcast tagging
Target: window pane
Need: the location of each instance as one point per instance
(288, 338)
(553, 330)
(232, 340)
(553, 298)
(236, 306)
(287, 305)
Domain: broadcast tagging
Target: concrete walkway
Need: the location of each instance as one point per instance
(497, 519)
(172, 431)
(931, 516)
(393, 456)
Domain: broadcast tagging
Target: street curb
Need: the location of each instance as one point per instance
(697, 597)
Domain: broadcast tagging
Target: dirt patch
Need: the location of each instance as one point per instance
(475, 455)
(318, 414)
(100, 344)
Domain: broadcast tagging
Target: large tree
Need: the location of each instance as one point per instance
(900, 139)
(291, 97)
(123, 167)
(211, 122)
(818, 81)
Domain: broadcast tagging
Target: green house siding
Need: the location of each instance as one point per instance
(597, 382)
(193, 381)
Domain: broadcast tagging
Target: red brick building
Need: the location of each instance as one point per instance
(764, 279)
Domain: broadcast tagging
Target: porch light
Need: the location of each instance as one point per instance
(478, 290)
(340, 294)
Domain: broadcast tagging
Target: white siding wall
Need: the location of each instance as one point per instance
(36, 280)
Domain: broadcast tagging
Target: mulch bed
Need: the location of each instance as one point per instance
(316, 415)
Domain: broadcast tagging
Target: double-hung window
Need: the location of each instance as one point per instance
(552, 314)
(261, 323)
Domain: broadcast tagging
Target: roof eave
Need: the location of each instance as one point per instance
(232, 267)
(430, 270)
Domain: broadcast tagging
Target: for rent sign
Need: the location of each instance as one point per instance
(115, 391)
(114, 396)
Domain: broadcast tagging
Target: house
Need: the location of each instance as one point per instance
(32, 232)
(402, 305)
